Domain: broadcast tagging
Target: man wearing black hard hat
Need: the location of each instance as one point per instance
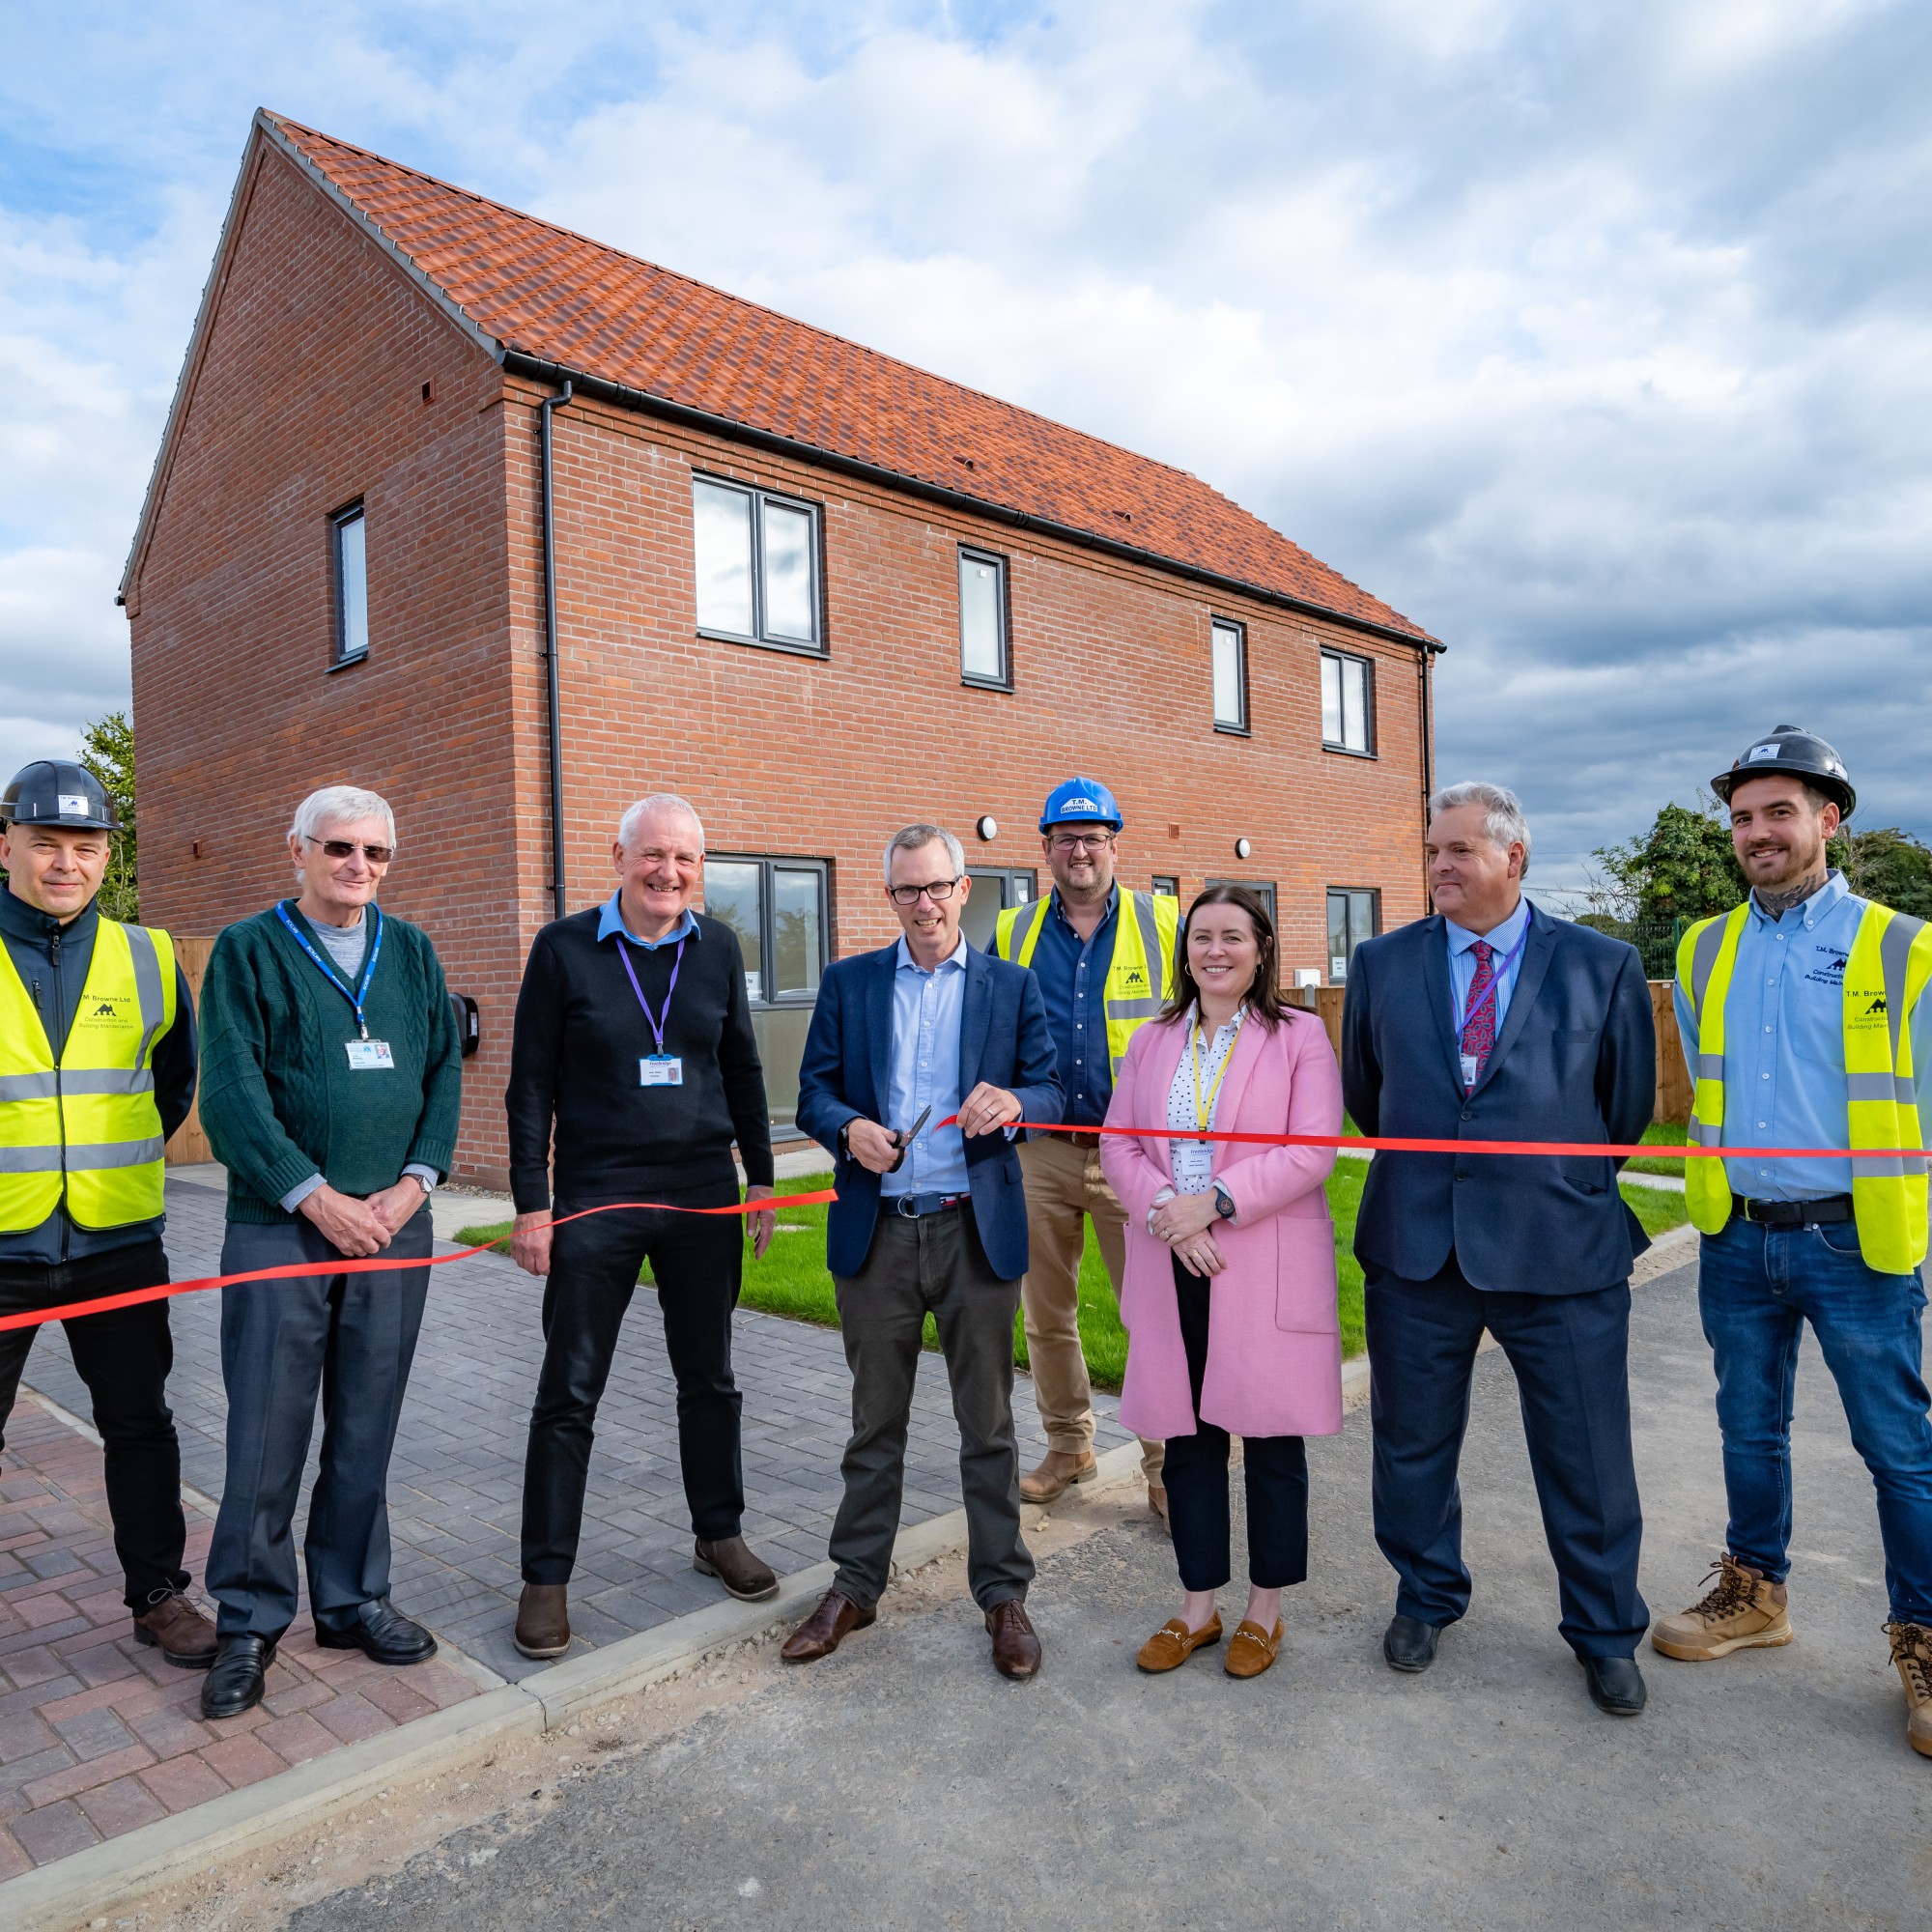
(97, 1070)
(1804, 1025)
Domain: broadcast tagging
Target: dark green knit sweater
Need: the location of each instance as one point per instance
(279, 1102)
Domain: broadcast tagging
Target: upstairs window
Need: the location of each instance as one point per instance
(983, 655)
(1230, 676)
(1348, 704)
(757, 566)
(348, 542)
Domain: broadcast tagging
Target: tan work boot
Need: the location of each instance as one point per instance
(1912, 1652)
(1742, 1611)
(1056, 1474)
(543, 1620)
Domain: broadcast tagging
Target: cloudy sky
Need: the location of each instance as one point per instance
(1597, 339)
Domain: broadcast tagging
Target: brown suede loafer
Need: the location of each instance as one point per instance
(543, 1620)
(1251, 1649)
(1174, 1643)
(1015, 1648)
(1056, 1475)
(835, 1619)
(178, 1630)
(745, 1577)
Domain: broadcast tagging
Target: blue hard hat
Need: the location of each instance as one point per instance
(1080, 802)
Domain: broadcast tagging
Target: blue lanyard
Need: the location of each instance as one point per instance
(656, 1024)
(327, 971)
(1489, 992)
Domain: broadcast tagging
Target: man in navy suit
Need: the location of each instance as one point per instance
(1494, 1021)
(928, 1219)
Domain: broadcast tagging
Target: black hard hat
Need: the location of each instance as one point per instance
(57, 791)
(1793, 752)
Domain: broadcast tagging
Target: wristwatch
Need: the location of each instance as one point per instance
(1223, 1203)
(845, 1142)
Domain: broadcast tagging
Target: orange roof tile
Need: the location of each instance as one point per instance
(541, 291)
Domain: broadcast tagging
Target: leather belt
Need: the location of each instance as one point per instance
(1088, 1140)
(1793, 1214)
(915, 1206)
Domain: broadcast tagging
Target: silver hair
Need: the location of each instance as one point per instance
(1502, 813)
(658, 801)
(340, 805)
(911, 837)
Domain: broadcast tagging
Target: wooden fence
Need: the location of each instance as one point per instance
(189, 1143)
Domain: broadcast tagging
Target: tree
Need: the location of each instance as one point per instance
(1683, 868)
(107, 750)
(1889, 866)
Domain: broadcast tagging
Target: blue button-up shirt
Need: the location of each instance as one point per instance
(1784, 1045)
(926, 1011)
(1462, 964)
(612, 919)
(1072, 974)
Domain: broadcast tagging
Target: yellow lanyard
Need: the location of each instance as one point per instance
(1204, 1111)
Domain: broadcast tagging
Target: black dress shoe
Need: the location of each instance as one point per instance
(1616, 1685)
(238, 1676)
(380, 1632)
(1409, 1644)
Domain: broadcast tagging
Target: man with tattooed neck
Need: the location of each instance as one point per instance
(1804, 1025)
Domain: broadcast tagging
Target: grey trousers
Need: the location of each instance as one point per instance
(937, 1263)
(350, 1339)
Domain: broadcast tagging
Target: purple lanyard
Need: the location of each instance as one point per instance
(1488, 993)
(656, 1025)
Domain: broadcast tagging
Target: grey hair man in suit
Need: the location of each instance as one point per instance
(1493, 1021)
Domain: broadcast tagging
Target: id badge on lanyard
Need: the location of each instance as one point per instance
(365, 1055)
(659, 1068)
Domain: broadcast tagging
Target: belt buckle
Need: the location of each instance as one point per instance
(904, 1209)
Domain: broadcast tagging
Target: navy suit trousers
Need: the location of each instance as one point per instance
(1570, 1355)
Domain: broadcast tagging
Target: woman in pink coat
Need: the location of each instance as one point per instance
(1229, 1295)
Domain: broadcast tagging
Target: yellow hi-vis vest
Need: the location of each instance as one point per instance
(1889, 967)
(87, 1127)
(1140, 976)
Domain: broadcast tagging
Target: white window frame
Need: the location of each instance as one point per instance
(1239, 726)
(760, 633)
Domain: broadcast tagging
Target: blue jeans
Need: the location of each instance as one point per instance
(1756, 1286)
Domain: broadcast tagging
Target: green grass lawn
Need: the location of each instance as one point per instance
(1660, 1133)
(791, 1280)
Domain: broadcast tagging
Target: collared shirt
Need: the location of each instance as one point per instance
(612, 919)
(1072, 974)
(926, 1011)
(1501, 939)
(1784, 1045)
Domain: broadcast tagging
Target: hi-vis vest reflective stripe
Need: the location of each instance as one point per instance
(1138, 976)
(87, 1127)
(1889, 967)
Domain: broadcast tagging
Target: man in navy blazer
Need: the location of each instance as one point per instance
(929, 1218)
(1493, 1021)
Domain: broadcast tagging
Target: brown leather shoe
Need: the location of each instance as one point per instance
(1056, 1474)
(1911, 1653)
(543, 1620)
(1251, 1649)
(835, 1619)
(1174, 1643)
(1015, 1647)
(730, 1560)
(178, 1631)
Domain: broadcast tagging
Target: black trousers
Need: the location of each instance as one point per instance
(697, 1261)
(123, 1356)
(1196, 1480)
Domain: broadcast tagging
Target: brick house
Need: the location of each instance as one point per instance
(818, 590)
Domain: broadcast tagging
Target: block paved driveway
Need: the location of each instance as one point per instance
(75, 1767)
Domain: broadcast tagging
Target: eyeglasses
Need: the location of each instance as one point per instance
(1081, 841)
(908, 895)
(346, 848)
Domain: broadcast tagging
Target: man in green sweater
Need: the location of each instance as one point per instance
(331, 1088)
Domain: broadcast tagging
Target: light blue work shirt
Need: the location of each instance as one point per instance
(928, 1008)
(1784, 1045)
(1502, 939)
(612, 919)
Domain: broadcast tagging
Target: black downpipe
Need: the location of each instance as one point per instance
(1422, 663)
(556, 895)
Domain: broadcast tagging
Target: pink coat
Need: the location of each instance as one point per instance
(1274, 1342)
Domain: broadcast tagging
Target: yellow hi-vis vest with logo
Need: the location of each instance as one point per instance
(1140, 976)
(1888, 969)
(87, 1127)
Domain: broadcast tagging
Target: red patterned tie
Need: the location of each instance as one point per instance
(1479, 1030)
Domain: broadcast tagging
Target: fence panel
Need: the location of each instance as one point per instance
(189, 1143)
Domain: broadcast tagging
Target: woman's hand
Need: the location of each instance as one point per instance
(1201, 1254)
(1186, 1214)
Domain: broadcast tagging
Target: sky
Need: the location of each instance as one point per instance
(1595, 338)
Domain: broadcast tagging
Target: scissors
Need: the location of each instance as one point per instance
(905, 1136)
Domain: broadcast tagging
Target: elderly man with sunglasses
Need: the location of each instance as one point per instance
(331, 1088)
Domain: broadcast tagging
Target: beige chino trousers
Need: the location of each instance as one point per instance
(1065, 1188)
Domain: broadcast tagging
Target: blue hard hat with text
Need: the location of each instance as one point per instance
(1080, 802)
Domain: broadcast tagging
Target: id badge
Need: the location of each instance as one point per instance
(1193, 1166)
(1468, 1071)
(660, 1069)
(369, 1055)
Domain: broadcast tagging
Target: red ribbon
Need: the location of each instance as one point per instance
(161, 1290)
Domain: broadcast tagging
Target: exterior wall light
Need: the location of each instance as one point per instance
(988, 828)
(1242, 848)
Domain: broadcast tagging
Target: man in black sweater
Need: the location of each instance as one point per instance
(634, 1049)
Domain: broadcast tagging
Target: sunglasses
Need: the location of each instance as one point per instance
(346, 848)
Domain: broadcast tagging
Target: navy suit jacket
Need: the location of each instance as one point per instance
(846, 1075)
(1575, 1061)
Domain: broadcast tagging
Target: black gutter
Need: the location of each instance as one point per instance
(556, 899)
(520, 364)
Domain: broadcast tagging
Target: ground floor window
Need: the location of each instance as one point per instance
(780, 910)
(1263, 890)
(1355, 914)
(995, 887)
